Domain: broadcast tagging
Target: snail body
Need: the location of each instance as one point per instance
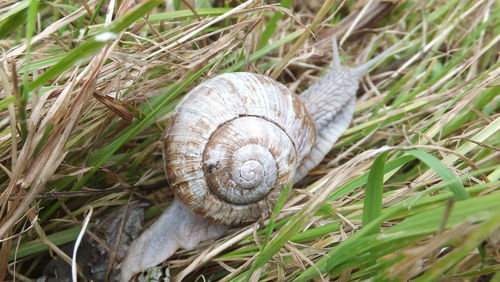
(232, 144)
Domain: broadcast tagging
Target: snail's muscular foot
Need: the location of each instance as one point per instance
(177, 227)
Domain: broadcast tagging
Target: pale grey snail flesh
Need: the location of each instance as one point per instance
(252, 135)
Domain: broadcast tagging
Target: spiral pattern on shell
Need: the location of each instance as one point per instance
(233, 143)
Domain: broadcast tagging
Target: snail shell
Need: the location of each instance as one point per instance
(233, 143)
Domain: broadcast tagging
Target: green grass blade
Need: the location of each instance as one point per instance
(358, 182)
(94, 15)
(264, 51)
(21, 103)
(276, 210)
(467, 114)
(485, 133)
(445, 173)
(272, 25)
(4, 103)
(316, 232)
(32, 247)
(188, 13)
(285, 233)
(372, 207)
(13, 11)
(428, 221)
(13, 18)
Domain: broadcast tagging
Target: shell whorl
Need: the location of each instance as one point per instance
(250, 156)
(233, 143)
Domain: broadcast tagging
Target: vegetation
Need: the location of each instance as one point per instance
(409, 192)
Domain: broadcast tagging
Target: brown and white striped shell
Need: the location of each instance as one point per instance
(233, 143)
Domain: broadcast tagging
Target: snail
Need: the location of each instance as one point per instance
(233, 143)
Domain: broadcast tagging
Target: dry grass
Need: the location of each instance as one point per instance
(95, 121)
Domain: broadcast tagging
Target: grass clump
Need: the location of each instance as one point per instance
(409, 192)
